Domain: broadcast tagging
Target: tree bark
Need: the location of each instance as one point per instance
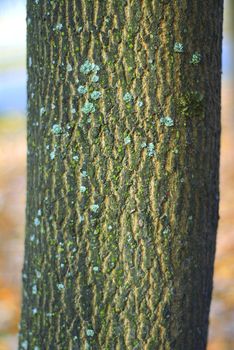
(123, 173)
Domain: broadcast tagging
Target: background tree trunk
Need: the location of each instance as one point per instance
(123, 161)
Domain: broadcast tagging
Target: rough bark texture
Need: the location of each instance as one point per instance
(122, 201)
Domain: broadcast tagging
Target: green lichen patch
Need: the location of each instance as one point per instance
(191, 104)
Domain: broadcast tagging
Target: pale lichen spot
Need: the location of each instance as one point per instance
(178, 47)
(58, 26)
(34, 311)
(32, 238)
(88, 67)
(81, 218)
(52, 106)
(52, 155)
(94, 208)
(84, 173)
(83, 189)
(24, 345)
(30, 61)
(39, 212)
(79, 29)
(167, 121)
(36, 222)
(42, 111)
(151, 149)
(90, 332)
(166, 231)
(56, 129)
(95, 268)
(140, 104)
(69, 67)
(127, 140)
(95, 95)
(128, 97)
(95, 68)
(82, 90)
(73, 111)
(143, 144)
(196, 58)
(95, 78)
(60, 286)
(75, 158)
(38, 274)
(87, 347)
(34, 289)
(88, 108)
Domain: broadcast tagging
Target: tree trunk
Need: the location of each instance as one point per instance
(123, 183)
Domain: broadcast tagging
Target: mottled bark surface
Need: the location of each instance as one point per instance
(123, 159)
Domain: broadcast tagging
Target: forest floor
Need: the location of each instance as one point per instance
(12, 208)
